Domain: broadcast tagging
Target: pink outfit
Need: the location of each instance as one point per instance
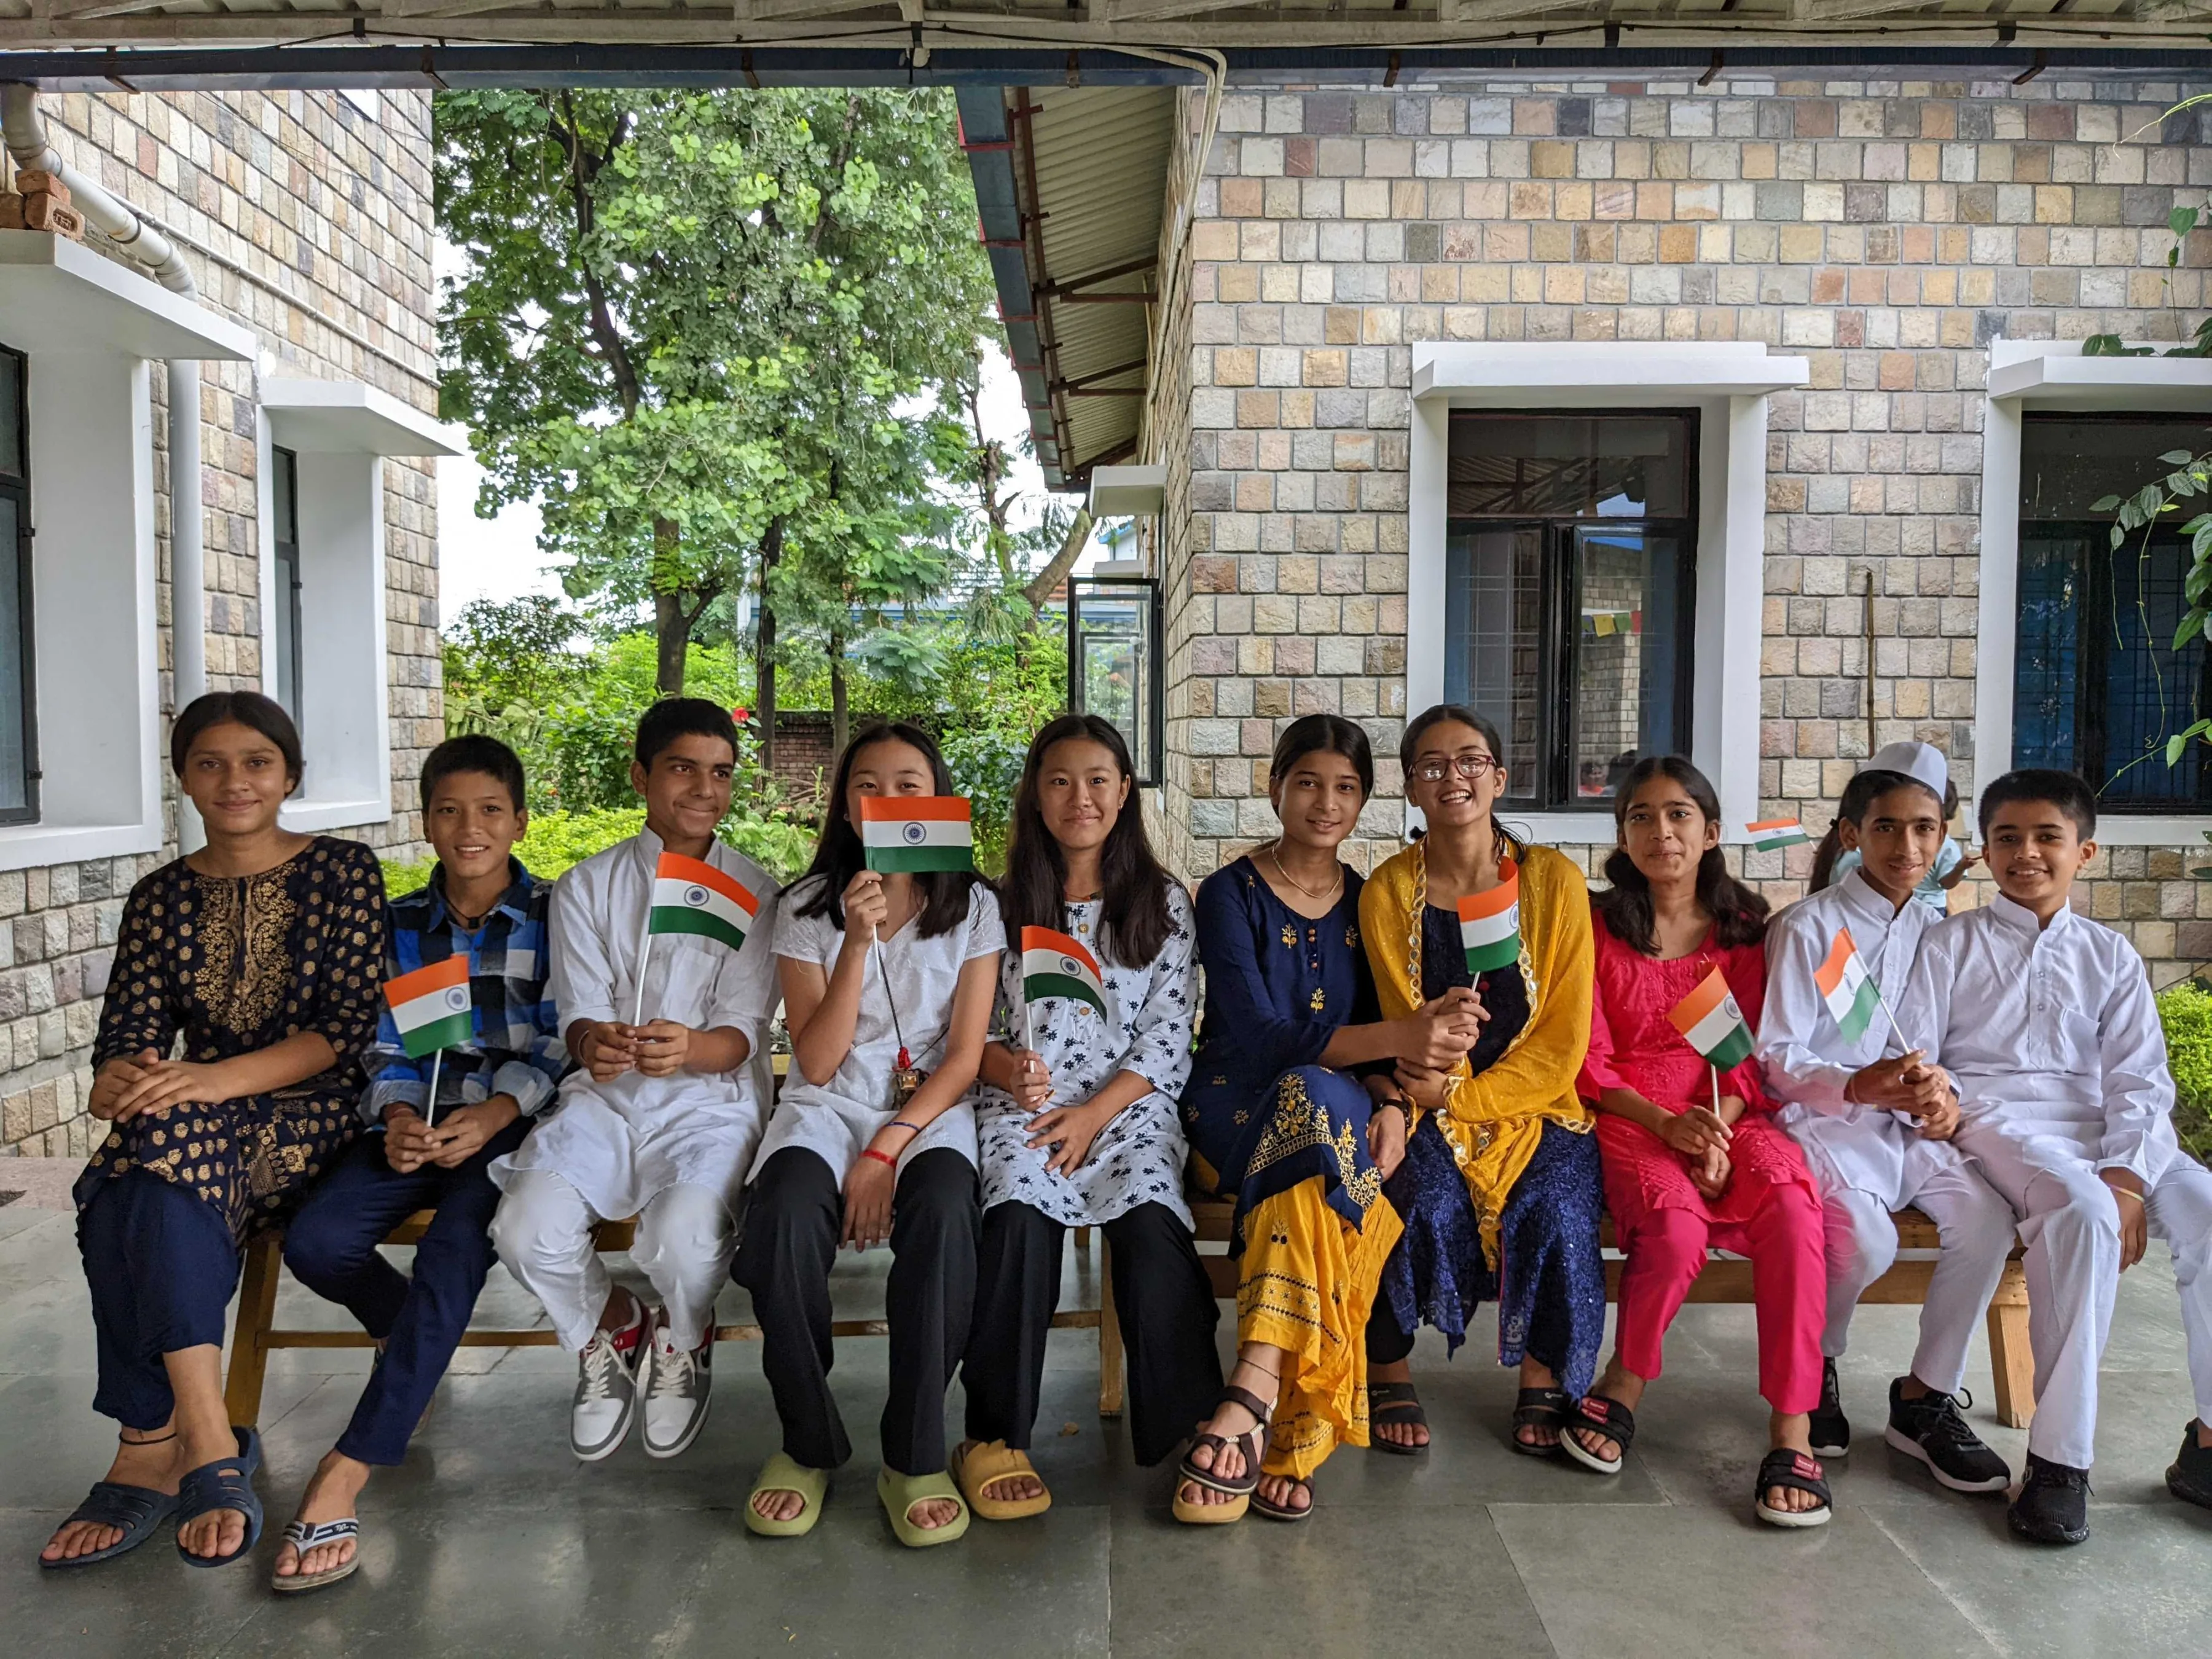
(1771, 1210)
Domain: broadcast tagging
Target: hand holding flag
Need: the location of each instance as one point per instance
(434, 1009)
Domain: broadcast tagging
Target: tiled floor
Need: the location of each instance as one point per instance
(493, 1541)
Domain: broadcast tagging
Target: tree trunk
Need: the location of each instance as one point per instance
(1039, 587)
(840, 720)
(771, 550)
(672, 628)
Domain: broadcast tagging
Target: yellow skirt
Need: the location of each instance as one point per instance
(1308, 1283)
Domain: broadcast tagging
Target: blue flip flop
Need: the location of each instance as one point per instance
(136, 1509)
(225, 1484)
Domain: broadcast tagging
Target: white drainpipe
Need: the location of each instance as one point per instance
(137, 240)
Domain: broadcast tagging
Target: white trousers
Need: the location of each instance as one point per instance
(1975, 1225)
(686, 1237)
(2071, 1223)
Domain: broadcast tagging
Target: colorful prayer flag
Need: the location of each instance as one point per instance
(1490, 924)
(432, 1006)
(1849, 991)
(1712, 1022)
(1775, 834)
(1056, 965)
(916, 833)
(691, 896)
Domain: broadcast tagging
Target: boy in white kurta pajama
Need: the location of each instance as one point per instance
(2045, 1020)
(1871, 1162)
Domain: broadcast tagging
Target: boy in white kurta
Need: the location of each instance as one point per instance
(2045, 1021)
(661, 1119)
(1875, 1124)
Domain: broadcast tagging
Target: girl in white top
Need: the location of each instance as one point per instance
(873, 964)
(1078, 1115)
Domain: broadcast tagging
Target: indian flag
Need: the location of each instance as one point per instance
(916, 832)
(1712, 1023)
(432, 1006)
(691, 896)
(1851, 995)
(1775, 834)
(1490, 924)
(1054, 965)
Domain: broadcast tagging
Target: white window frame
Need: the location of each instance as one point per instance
(339, 433)
(88, 324)
(2052, 375)
(1729, 384)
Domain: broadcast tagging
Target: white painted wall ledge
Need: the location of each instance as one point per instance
(2054, 375)
(1662, 370)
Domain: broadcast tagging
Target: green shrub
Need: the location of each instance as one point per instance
(2185, 1011)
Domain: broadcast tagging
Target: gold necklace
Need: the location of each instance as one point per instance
(1275, 858)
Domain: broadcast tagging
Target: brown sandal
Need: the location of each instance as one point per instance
(1237, 1489)
(1260, 1505)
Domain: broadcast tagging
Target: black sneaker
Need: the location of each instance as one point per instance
(1931, 1429)
(2053, 1505)
(1831, 1430)
(2190, 1478)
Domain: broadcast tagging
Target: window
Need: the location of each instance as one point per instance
(1569, 562)
(1113, 658)
(19, 760)
(2097, 686)
(284, 601)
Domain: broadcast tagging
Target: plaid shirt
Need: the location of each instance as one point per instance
(516, 1048)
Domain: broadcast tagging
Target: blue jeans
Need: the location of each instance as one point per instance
(330, 1247)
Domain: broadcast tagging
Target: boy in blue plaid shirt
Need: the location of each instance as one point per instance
(480, 903)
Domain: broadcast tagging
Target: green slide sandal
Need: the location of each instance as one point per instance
(783, 1474)
(900, 1492)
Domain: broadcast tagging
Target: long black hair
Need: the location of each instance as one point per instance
(248, 709)
(1739, 915)
(1860, 794)
(1453, 714)
(840, 856)
(1322, 734)
(1134, 921)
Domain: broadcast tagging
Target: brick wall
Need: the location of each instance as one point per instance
(330, 212)
(1887, 232)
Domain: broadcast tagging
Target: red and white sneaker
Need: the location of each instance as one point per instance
(676, 1385)
(606, 1392)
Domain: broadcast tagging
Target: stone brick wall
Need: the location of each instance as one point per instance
(1886, 231)
(330, 213)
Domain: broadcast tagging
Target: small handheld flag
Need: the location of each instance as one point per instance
(916, 833)
(1847, 988)
(1490, 924)
(1711, 1022)
(434, 1009)
(1775, 834)
(1056, 965)
(692, 896)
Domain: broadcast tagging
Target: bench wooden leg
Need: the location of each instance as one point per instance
(2012, 1360)
(249, 1345)
(1110, 1339)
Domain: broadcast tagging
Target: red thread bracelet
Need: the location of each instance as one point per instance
(880, 1158)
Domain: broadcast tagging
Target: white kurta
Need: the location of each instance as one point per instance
(1137, 1158)
(836, 1118)
(621, 1142)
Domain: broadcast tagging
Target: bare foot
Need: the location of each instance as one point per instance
(932, 1513)
(1533, 1375)
(1284, 1492)
(333, 1494)
(779, 1503)
(1229, 1421)
(1795, 1434)
(1398, 1430)
(219, 1532)
(1005, 1488)
(154, 1464)
(1618, 1384)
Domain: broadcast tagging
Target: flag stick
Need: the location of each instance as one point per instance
(637, 1012)
(437, 1058)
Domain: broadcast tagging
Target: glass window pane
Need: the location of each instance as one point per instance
(1493, 641)
(2068, 461)
(13, 462)
(2150, 689)
(281, 491)
(2046, 665)
(15, 654)
(284, 613)
(1111, 673)
(1519, 465)
(1628, 655)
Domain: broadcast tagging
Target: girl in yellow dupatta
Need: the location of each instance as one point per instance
(1500, 1190)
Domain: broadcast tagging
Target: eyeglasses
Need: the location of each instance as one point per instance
(1469, 767)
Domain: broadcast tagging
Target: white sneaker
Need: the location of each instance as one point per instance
(606, 1397)
(675, 1385)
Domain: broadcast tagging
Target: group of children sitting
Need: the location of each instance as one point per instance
(618, 1066)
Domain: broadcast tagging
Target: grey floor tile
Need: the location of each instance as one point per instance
(147, 1605)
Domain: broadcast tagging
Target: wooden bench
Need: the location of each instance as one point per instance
(1727, 1279)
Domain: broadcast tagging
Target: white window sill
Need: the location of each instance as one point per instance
(30, 846)
(317, 814)
(2115, 830)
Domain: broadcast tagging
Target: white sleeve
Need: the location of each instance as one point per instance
(1794, 1067)
(2137, 1086)
(1924, 1017)
(987, 931)
(795, 936)
(1159, 1049)
(746, 990)
(581, 976)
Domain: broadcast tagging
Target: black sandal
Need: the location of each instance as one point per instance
(1794, 1471)
(1540, 1408)
(1284, 1511)
(1600, 1415)
(1237, 1489)
(1402, 1405)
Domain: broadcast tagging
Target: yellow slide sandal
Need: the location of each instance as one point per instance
(988, 1461)
(901, 1493)
(784, 1473)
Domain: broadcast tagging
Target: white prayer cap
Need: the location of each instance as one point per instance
(1923, 762)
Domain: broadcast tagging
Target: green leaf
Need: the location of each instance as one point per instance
(2191, 626)
(2174, 746)
(2181, 221)
(2176, 458)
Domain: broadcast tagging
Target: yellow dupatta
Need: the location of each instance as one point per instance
(1493, 1123)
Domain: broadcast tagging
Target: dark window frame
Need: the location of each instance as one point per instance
(15, 484)
(285, 639)
(1148, 750)
(1559, 608)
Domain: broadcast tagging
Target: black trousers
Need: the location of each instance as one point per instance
(791, 1227)
(1161, 1293)
(1386, 1344)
